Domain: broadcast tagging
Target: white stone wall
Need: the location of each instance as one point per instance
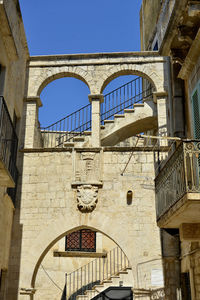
(49, 209)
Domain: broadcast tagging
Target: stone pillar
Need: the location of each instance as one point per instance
(31, 121)
(178, 103)
(96, 100)
(171, 263)
(161, 99)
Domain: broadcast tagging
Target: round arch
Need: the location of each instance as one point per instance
(118, 73)
(59, 75)
(66, 224)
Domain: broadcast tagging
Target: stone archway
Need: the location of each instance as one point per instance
(96, 70)
(130, 70)
(65, 224)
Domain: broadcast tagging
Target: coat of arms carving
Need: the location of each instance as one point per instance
(87, 197)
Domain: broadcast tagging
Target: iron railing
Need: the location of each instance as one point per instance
(67, 128)
(74, 125)
(135, 91)
(158, 294)
(94, 273)
(179, 175)
(8, 142)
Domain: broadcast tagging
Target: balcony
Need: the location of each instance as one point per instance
(177, 187)
(8, 149)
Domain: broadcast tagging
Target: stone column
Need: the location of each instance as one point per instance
(161, 99)
(171, 262)
(31, 121)
(96, 100)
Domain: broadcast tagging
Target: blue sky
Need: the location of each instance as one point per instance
(78, 26)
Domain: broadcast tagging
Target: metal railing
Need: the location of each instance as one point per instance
(67, 128)
(75, 124)
(8, 141)
(158, 294)
(179, 175)
(135, 91)
(95, 272)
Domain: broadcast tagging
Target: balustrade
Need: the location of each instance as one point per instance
(180, 175)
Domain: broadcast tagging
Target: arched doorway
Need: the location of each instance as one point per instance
(70, 268)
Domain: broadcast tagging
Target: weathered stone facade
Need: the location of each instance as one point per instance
(177, 35)
(13, 58)
(86, 185)
(49, 206)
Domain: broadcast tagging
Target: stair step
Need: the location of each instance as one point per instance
(68, 144)
(91, 292)
(79, 139)
(123, 272)
(115, 276)
(87, 133)
(107, 281)
(129, 110)
(119, 116)
(139, 105)
(108, 121)
(98, 286)
(82, 297)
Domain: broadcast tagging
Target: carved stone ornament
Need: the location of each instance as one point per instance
(87, 197)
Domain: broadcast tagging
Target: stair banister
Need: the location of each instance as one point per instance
(95, 272)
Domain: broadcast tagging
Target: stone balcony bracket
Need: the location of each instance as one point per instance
(193, 8)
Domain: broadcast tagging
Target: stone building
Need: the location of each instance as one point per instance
(13, 58)
(84, 221)
(176, 34)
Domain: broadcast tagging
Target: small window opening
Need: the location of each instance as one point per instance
(129, 197)
(81, 240)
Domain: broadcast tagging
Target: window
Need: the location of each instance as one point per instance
(2, 79)
(81, 240)
(155, 48)
(196, 111)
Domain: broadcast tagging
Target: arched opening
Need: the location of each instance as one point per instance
(124, 95)
(71, 272)
(66, 111)
(62, 97)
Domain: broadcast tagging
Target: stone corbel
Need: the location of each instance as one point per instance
(193, 8)
(184, 37)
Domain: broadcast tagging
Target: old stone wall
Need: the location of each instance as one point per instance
(13, 58)
(148, 19)
(49, 209)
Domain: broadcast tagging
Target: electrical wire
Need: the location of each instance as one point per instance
(51, 278)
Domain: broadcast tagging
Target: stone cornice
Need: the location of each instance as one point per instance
(191, 58)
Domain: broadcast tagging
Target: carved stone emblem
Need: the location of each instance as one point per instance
(87, 197)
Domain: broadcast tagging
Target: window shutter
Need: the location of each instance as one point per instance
(196, 114)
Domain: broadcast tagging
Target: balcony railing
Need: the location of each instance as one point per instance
(180, 175)
(8, 142)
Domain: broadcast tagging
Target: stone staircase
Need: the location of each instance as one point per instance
(141, 118)
(112, 269)
(122, 278)
(135, 120)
